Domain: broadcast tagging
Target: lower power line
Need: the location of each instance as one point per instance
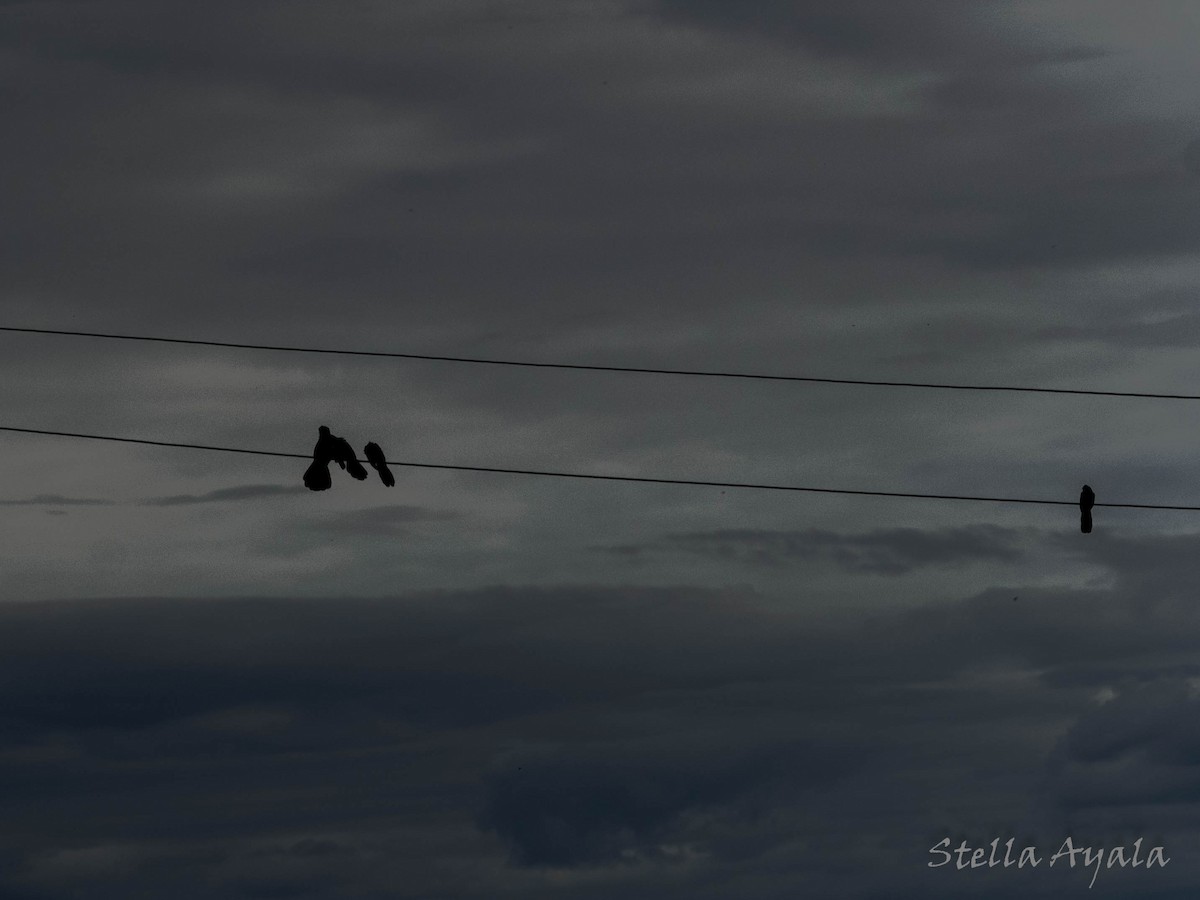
(629, 478)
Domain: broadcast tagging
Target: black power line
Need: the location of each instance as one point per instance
(632, 478)
(590, 368)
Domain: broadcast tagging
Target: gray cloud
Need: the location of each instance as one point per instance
(633, 802)
(352, 157)
(379, 520)
(1140, 747)
(1191, 156)
(894, 551)
(876, 33)
(222, 495)
(56, 500)
(1160, 318)
(556, 809)
(1161, 569)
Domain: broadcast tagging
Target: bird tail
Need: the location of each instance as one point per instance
(354, 467)
(385, 475)
(1085, 522)
(316, 477)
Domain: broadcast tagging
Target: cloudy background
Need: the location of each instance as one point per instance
(214, 683)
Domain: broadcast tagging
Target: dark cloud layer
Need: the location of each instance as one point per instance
(625, 735)
(1140, 748)
(566, 809)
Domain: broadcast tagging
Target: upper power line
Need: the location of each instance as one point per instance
(594, 368)
(630, 478)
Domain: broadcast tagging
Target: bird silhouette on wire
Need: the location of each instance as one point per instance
(345, 457)
(375, 457)
(1087, 499)
(316, 476)
(330, 448)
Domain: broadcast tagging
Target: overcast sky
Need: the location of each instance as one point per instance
(216, 683)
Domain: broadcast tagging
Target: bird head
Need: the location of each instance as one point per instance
(323, 430)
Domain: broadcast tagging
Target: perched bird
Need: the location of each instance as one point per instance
(326, 448)
(347, 460)
(1087, 499)
(331, 448)
(316, 476)
(375, 457)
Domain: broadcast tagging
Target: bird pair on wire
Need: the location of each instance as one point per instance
(331, 448)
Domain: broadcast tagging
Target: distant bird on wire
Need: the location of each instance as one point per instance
(1087, 499)
(376, 458)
